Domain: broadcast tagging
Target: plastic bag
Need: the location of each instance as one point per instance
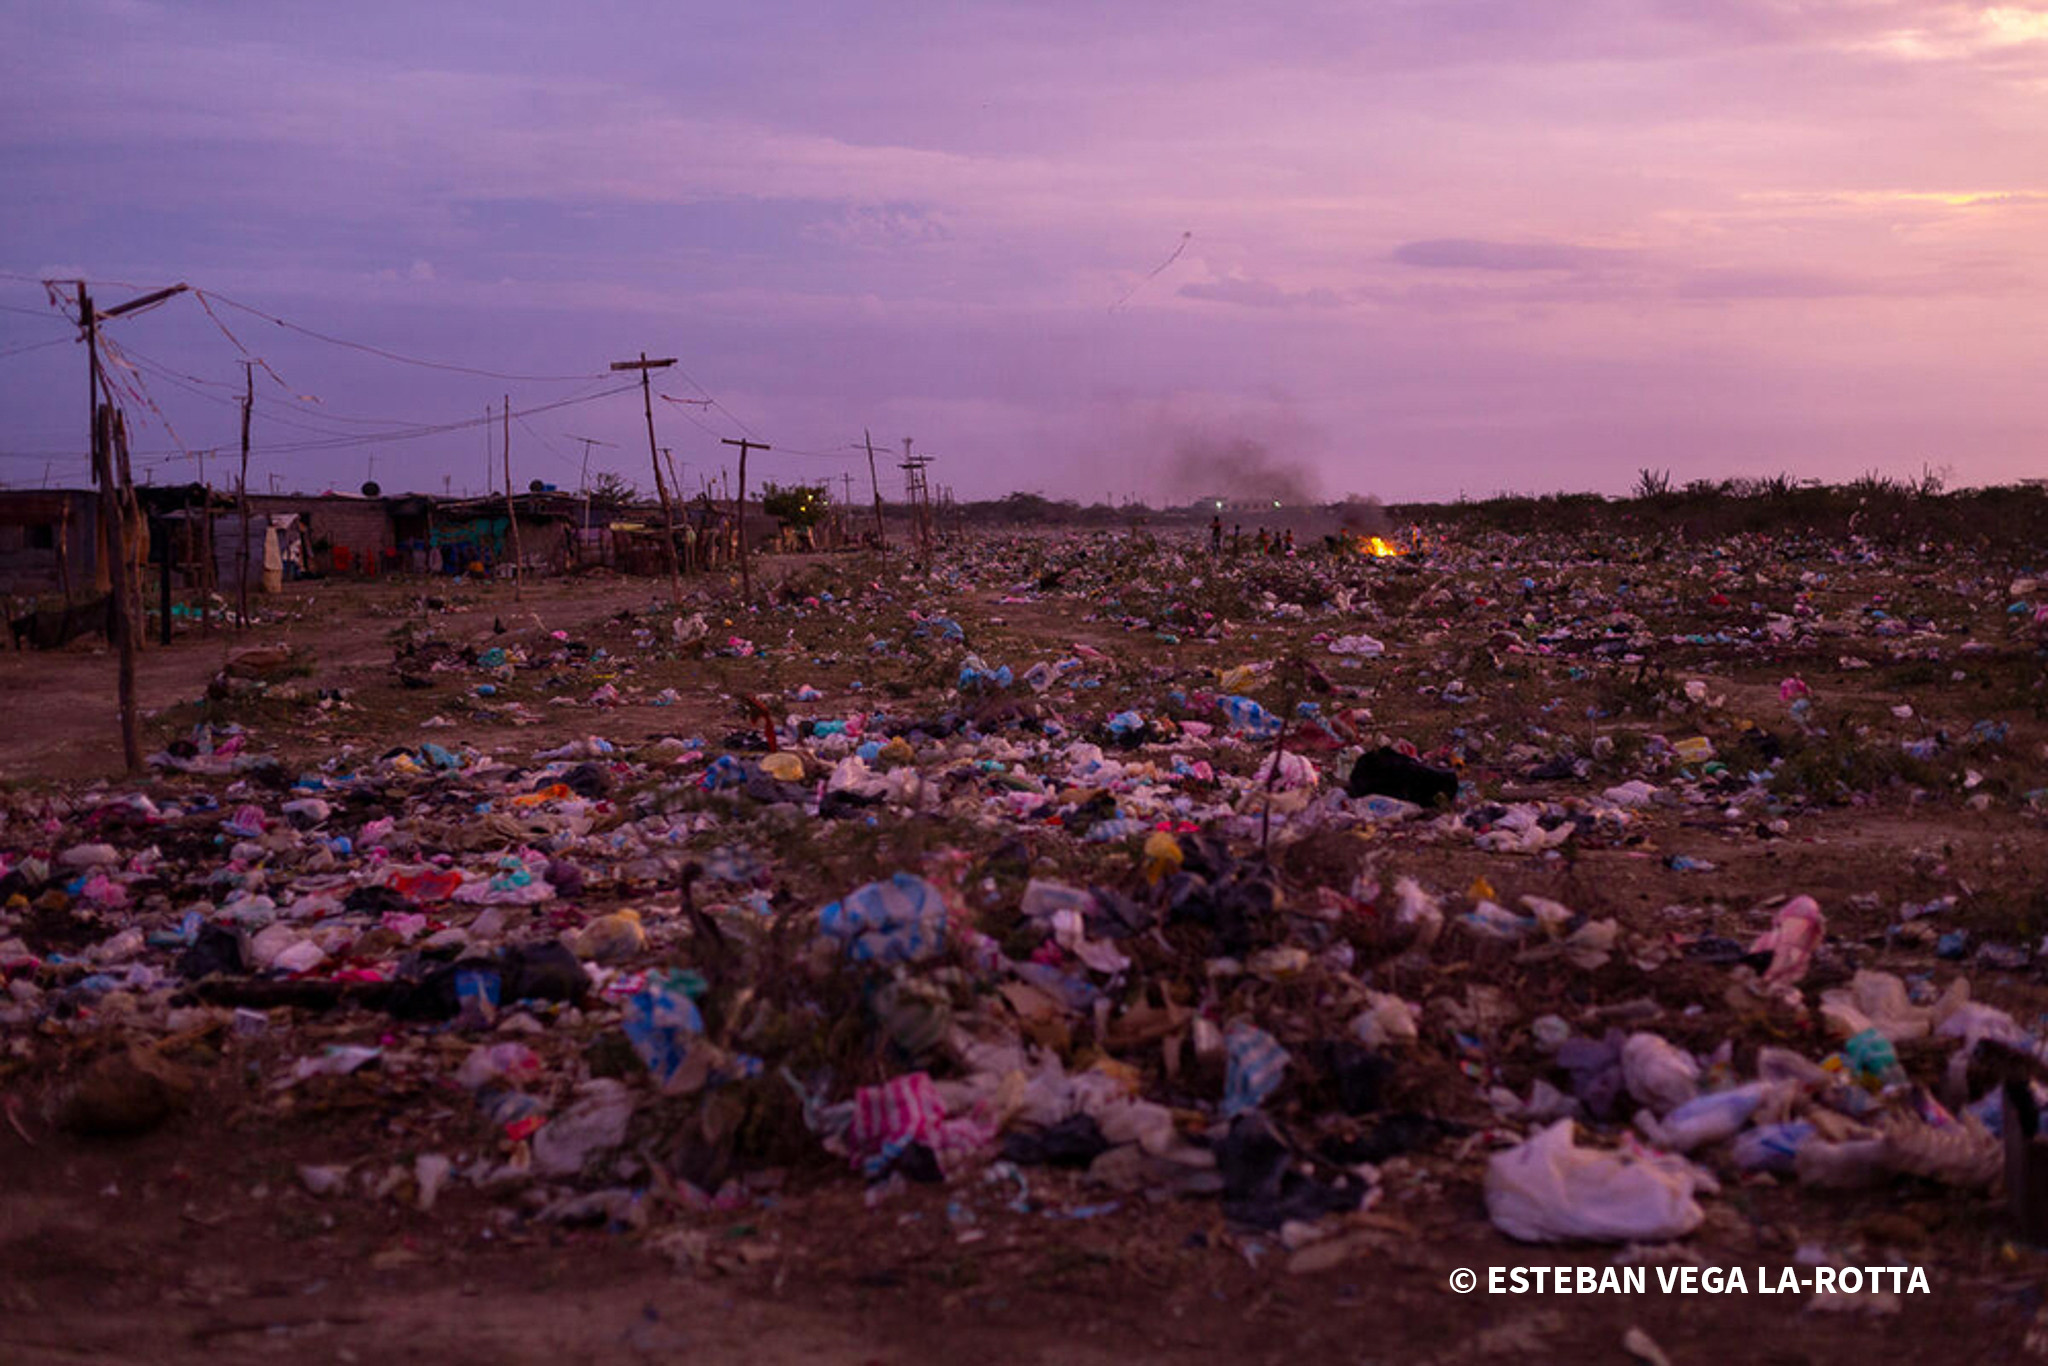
(1551, 1190)
(1386, 1019)
(1791, 941)
(595, 1123)
(1713, 1117)
(907, 1110)
(1771, 1147)
(1658, 1073)
(1256, 1064)
(902, 920)
(1877, 1000)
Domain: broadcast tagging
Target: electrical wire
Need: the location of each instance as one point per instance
(35, 346)
(442, 428)
(380, 351)
(324, 437)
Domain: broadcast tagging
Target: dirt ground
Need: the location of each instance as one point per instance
(196, 1241)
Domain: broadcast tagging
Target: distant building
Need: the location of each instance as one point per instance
(49, 541)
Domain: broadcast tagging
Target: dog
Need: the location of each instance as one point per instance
(52, 628)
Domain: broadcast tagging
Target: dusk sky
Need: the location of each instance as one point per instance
(1437, 246)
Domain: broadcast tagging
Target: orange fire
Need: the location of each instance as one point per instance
(1378, 547)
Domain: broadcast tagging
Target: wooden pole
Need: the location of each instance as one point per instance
(242, 495)
(133, 533)
(739, 510)
(875, 484)
(511, 509)
(119, 624)
(675, 484)
(121, 613)
(64, 552)
(161, 553)
(668, 508)
(200, 547)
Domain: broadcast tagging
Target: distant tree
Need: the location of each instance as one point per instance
(609, 487)
(1025, 507)
(797, 506)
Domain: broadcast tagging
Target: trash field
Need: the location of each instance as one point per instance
(1223, 947)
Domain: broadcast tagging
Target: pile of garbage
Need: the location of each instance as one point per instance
(1169, 926)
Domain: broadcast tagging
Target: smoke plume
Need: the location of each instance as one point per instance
(1238, 468)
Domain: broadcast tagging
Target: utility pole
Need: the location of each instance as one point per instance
(874, 484)
(739, 509)
(918, 491)
(675, 481)
(206, 560)
(668, 509)
(584, 486)
(116, 492)
(511, 509)
(588, 442)
(675, 484)
(242, 493)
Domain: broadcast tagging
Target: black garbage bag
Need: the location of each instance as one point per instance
(588, 780)
(374, 899)
(1075, 1141)
(841, 804)
(216, 948)
(525, 972)
(1390, 1136)
(1387, 772)
(1262, 1185)
(1234, 905)
(1357, 1073)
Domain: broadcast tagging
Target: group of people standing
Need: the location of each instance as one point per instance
(1280, 544)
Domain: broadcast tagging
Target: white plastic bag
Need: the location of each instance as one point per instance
(1385, 1020)
(1715, 1116)
(1876, 1000)
(1658, 1073)
(1551, 1190)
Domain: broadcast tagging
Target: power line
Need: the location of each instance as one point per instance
(438, 429)
(382, 352)
(713, 399)
(350, 441)
(37, 346)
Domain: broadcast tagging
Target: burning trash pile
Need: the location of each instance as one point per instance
(1085, 874)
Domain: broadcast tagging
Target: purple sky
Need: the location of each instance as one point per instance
(1439, 246)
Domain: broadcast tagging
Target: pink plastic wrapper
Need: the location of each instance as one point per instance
(1792, 940)
(906, 1110)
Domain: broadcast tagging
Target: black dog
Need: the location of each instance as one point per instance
(52, 628)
